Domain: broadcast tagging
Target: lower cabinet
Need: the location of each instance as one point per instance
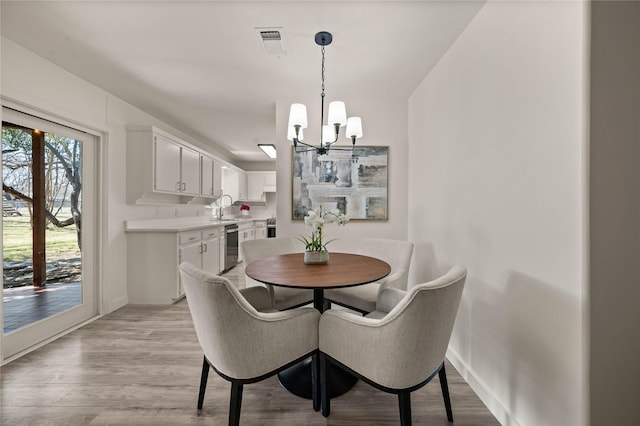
(210, 250)
(246, 231)
(153, 259)
(260, 229)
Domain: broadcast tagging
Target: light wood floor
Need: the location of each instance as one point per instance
(141, 365)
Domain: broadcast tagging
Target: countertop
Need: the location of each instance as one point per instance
(179, 224)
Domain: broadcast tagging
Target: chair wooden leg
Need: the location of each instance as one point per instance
(236, 404)
(203, 382)
(324, 388)
(315, 381)
(445, 392)
(404, 401)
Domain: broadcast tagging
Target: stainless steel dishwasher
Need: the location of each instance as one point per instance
(231, 249)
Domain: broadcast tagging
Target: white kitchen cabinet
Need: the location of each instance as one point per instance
(270, 181)
(160, 167)
(230, 182)
(242, 185)
(190, 171)
(189, 250)
(211, 179)
(167, 160)
(234, 183)
(210, 251)
(152, 267)
(176, 168)
(258, 183)
(206, 175)
(205, 255)
(217, 177)
(260, 227)
(246, 231)
(255, 185)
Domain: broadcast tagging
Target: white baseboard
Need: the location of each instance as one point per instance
(493, 403)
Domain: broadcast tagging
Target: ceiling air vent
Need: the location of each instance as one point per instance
(271, 40)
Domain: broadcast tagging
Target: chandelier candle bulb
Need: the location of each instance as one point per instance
(337, 113)
(298, 116)
(354, 128)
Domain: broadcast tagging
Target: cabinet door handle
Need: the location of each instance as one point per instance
(177, 186)
(206, 249)
(184, 186)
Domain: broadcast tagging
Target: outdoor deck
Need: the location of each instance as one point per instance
(28, 304)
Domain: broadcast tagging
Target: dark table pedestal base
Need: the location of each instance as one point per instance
(297, 380)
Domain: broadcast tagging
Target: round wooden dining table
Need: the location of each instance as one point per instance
(342, 270)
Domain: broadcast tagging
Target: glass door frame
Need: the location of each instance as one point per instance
(24, 339)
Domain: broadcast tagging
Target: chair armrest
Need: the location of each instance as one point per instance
(388, 298)
(250, 282)
(258, 297)
(397, 279)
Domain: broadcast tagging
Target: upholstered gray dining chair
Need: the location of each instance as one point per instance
(362, 298)
(283, 297)
(400, 346)
(243, 338)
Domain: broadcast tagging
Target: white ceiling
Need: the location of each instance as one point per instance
(200, 66)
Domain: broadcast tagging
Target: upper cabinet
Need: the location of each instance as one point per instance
(242, 185)
(163, 169)
(176, 167)
(269, 181)
(259, 183)
(234, 183)
(211, 177)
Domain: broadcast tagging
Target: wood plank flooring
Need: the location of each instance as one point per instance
(141, 365)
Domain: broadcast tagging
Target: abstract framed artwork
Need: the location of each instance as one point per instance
(354, 182)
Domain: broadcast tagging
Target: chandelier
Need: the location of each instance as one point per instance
(337, 117)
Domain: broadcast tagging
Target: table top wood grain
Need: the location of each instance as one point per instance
(342, 270)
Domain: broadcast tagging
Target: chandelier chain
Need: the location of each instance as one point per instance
(322, 98)
(322, 71)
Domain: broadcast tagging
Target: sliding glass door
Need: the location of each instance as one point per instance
(48, 232)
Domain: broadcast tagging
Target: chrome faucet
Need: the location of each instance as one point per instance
(220, 207)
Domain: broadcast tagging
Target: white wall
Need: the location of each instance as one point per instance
(497, 183)
(384, 123)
